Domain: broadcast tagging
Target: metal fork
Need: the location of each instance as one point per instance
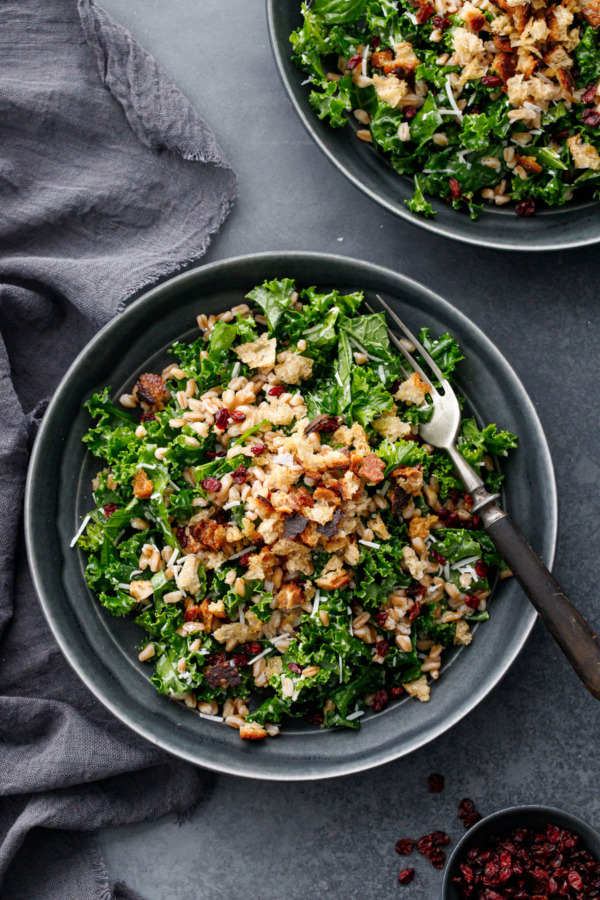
(573, 634)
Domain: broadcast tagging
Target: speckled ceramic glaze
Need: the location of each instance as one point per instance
(102, 649)
(573, 225)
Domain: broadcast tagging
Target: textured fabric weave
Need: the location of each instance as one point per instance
(109, 179)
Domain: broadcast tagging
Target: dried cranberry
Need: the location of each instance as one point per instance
(437, 858)
(295, 668)
(472, 819)
(354, 61)
(575, 880)
(481, 568)
(454, 187)
(405, 846)
(589, 94)
(257, 449)
(240, 475)
(240, 660)
(380, 617)
(416, 590)
(465, 807)
(409, 114)
(245, 559)
(491, 870)
(222, 418)
(505, 874)
(396, 691)
(315, 718)
(473, 110)
(147, 417)
(553, 834)
(440, 838)
(491, 81)
(525, 207)
(380, 700)
(434, 554)
(436, 784)
(238, 416)
(425, 844)
(424, 13)
(211, 484)
(277, 391)
(382, 648)
(441, 22)
(591, 118)
(109, 509)
(472, 601)
(467, 873)
(414, 612)
(375, 42)
(406, 876)
(251, 647)
(181, 535)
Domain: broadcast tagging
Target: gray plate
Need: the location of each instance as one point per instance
(573, 225)
(102, 649)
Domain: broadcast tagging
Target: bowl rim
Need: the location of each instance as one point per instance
(581, 826)
(120, 709)
(474, 239)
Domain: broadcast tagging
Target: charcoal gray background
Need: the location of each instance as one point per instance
(536, 738)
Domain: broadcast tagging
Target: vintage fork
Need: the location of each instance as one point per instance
(573, 634)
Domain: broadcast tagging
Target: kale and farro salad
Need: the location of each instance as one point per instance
(269, 514)
(478, 100)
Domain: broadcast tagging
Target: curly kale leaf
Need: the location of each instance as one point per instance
(331, 103)
(339, 12)
(273, 297)
(444, 350)
(402, 453)
(369, 397)
(418, 204)
(587, 54)
(474, 444)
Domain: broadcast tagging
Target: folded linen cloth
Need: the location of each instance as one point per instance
(109, 179)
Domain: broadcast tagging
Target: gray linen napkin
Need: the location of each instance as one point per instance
(109, 179)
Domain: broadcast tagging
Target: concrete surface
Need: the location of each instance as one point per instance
(536, 737)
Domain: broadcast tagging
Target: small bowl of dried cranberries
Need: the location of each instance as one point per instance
(525, 853)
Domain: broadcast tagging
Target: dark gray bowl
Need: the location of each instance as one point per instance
(573, 225)
(505, 821)
(102, 649)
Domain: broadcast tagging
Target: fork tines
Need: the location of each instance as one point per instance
(400, 345)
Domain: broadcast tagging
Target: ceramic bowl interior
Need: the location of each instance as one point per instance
(101, 648)
(573, 225)
(503, 822)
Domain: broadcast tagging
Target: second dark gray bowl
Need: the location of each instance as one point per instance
(506, 820)
(576, 224)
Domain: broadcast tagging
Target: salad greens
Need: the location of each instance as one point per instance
(272, 537)
(453, 103)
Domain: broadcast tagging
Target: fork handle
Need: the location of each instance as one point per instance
(572, 633)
